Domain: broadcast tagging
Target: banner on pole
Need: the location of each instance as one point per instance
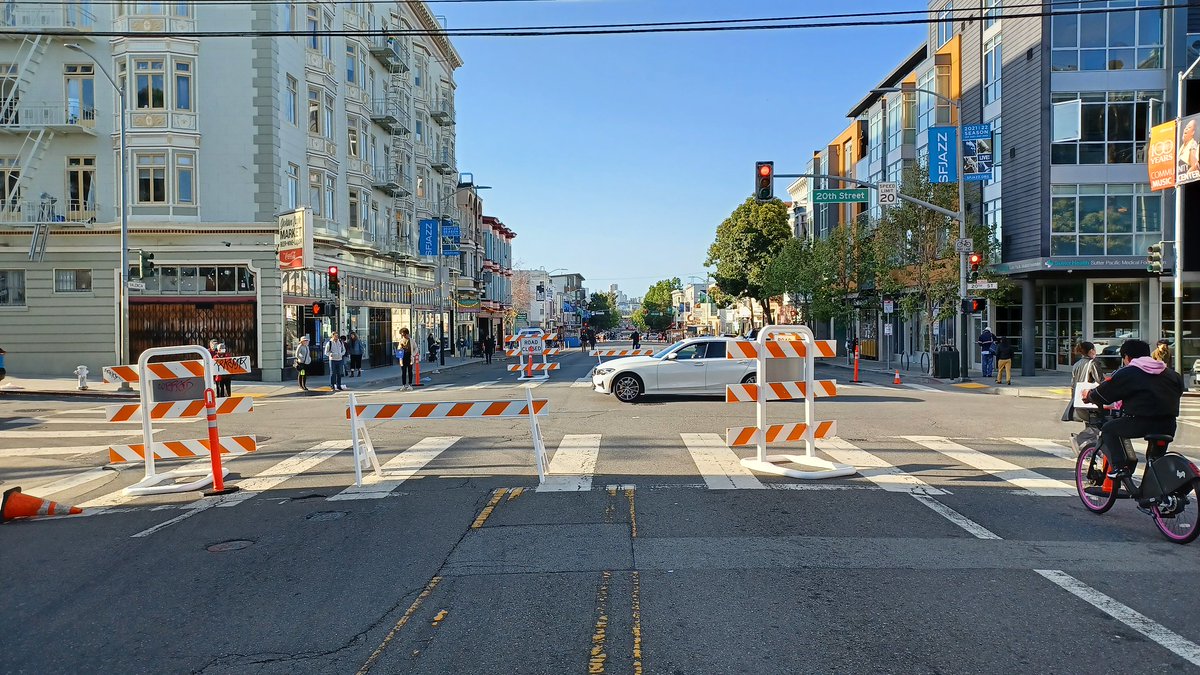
(943, 157)
(1160, 156)
(1187, 154)
(977, 152)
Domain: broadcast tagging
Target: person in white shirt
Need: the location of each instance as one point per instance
(1188, 156)
(335, 352)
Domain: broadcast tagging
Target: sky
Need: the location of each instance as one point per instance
(617, 156)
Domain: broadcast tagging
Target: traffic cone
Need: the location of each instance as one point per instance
(17, 505)
(417, 370)
(896, 380)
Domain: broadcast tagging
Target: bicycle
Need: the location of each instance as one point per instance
(1168, 489)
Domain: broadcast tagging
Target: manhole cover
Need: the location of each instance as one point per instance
(231, 545)
(325, 515)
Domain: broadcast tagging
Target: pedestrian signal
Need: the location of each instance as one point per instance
(764, 181)
(320, 309)
(1154, 261)
(976, 305)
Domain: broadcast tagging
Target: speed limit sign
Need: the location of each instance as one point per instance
(889, 194)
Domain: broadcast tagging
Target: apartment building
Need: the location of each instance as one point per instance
(1070, 99)
(224, 136)
(496, 276)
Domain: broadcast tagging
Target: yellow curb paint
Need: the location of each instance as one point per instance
(636, 597)
(517, 492)
(632, 514)
(971, 385)
(412, 609)
(599, 655)
(497, 495)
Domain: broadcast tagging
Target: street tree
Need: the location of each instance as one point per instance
(656, 312)
(745, 244)
(522, 298)
(603, 308)
(797, 271)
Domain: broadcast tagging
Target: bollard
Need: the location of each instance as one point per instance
(416, 369)
(82, 372)
(855, 380)
(214, 446)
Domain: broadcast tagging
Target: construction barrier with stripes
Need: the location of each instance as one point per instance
(364, 449)
(784, 342)
(181, 479)
(532, 367)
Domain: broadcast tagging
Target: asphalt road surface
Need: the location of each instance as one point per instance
(960, 545)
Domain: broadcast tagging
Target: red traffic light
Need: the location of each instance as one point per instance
(764, 169)
(333, 271)
(975, 259)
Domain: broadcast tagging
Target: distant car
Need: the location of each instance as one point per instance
(693, 366)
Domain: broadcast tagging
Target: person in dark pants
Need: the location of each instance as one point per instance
(354, 348)
(1004, 357)
(637, 340)
(404, 350)
(489, 348)
(1149, 392)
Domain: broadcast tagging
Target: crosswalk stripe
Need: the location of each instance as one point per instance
(875, 469)
(1032, 481)
(532, 385)
(80, 433)
(65, 483)
(483, 385)
(1046, 446)
(921, 387)
(582, 382)
(398, 469)
(119, 498)
(46, 452)
(869, 385)
(285, 470)
(720, 467)
(573, 465)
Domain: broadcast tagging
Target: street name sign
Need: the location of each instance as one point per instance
(982, 286)
(137, 285)
(839, 196)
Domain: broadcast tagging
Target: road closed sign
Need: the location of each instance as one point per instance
(531, 343)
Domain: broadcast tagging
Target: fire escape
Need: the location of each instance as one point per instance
(392, 112)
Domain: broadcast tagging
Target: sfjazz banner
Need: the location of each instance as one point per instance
(943, 157)
(977, 152)
(1160, 156)
(1187, 152)
(427, 243)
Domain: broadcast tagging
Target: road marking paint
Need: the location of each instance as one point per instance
(68, 482)
(485, 384)
(598, 654)
(573, 465)
(97, 421)
(719, 466)
(975, 529)
(635, 596)
(581, 383)
(412, 609)
(875, 469)
(119, 498)
(1047, 446)
(202, 506)
(1033, 481)
(283, 471)
(533, 385)
(921, 387)
(81, 433)
(497, 495)
(398, 469)
(64, 450)
(868, 385)
(1166, 638)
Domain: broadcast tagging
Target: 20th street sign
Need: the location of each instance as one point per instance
(840, 196)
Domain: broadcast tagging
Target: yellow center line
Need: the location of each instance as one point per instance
(440, 616)
(632, 513)
(497, 495)
(412, 609)
(517, 492)
(599, 655)
(636, 596)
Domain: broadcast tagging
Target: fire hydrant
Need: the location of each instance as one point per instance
(82, 372)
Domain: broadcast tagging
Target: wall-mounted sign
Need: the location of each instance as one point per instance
(295, 240)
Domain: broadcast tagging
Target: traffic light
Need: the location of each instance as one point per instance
(145, 264)
(320, 309)
(764, 181)
(973, 261)
(1154, 261)
(334, 283)
(976, 305)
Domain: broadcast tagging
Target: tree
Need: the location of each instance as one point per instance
(657, 311)
(603, 307)
(522, 297)
(795, 270)
(746, 243)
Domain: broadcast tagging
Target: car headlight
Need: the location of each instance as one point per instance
(604, 371)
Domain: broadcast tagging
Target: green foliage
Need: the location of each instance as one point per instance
(656, 312)
(606, 305)
(797, 271)
(746, 243)
(638, 317)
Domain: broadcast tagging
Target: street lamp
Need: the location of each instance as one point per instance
(441, 264)
(123, 285)
(962, 219)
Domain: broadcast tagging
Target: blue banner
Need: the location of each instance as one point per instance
(450, 229)
(977, 152)
(943, 155)
(427, 240)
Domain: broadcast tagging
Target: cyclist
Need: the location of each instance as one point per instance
(1149, 393)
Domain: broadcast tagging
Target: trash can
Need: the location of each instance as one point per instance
(945, 362)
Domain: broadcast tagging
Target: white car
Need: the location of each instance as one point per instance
(692, 366)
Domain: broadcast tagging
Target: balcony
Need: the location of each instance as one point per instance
(77, 212)
(443, 162)
(387, 179)
(70, 17)
(390, 52)
(442, 112)
(61, 117)
(389, 114)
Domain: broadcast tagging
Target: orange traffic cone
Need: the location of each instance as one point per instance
(17, 505)
(896, 380)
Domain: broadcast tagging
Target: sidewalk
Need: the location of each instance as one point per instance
(1043, 384)
(68, 386)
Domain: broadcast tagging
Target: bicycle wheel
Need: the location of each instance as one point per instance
(1089, 475)
(1178, 517)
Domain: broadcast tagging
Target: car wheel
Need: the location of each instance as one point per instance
(627, 388)
(752, 378)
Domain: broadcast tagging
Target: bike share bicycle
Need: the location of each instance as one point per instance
(1168, 489)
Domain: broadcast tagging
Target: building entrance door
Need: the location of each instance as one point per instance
(1068, 331)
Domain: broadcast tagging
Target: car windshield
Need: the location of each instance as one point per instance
(663, 354)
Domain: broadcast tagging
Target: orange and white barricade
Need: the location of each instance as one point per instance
(527, 346)
(618, 353)
(145, 373)
(364, 449)
(785, 342)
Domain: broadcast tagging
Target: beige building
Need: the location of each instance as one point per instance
(224, 135)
